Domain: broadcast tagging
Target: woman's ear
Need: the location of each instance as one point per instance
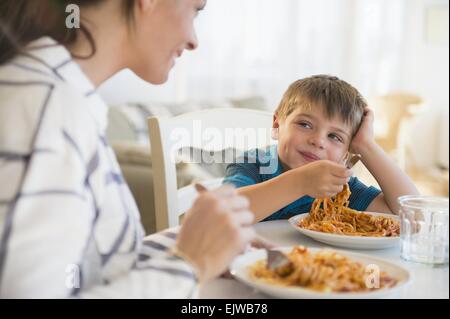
(275, 127)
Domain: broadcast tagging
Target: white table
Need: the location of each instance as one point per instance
(427, 281)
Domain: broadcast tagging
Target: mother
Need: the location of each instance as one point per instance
(68, 223)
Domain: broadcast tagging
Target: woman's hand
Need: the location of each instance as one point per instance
(322, 178)
(215, 230)
(365, 136)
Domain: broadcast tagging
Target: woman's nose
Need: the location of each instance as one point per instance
(193, 42)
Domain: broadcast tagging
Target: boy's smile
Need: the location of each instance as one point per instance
(305, 136)
(308, 156)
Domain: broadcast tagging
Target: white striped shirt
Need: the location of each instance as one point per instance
(69, 226)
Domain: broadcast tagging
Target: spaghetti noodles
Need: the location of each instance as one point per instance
(324, 271)
(332, 215)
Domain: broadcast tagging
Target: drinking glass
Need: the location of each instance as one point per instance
(424, 231)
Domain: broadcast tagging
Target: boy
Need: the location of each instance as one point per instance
(318, 121)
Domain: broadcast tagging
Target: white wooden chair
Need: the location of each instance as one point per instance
(168, 135)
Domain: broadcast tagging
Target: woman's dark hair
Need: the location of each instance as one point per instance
(22, 21)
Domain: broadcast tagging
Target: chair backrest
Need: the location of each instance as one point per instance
(395, 107)
(210, 130)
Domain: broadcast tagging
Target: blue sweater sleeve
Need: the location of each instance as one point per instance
(245, 170)
(362, 195)
(241, 175)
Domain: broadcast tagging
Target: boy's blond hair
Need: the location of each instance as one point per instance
(335, 96)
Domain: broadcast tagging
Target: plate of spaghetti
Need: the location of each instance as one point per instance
(333, 222)
(321, 273)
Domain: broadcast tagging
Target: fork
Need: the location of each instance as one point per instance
(351, 160)
(276, 260)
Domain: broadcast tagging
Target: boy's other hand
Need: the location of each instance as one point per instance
(322, 178)
(364, 137)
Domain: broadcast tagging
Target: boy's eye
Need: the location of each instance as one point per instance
(336, 137)
(305, 124)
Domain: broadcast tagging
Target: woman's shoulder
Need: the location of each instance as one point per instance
(34, 103)
(26, 70)
(45, 65)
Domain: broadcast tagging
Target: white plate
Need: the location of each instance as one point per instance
(240, 269)
(355, 242)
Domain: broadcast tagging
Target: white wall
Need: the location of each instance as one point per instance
(425, 71)
(127, 87)
(426, 61)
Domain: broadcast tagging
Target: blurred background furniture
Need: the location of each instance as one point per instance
(211, 130)
(395, 110)
(399, 116)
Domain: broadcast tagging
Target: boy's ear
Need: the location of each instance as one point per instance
(274, 133)
(275, 126)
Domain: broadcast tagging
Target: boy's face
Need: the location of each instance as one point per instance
(307, 136)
